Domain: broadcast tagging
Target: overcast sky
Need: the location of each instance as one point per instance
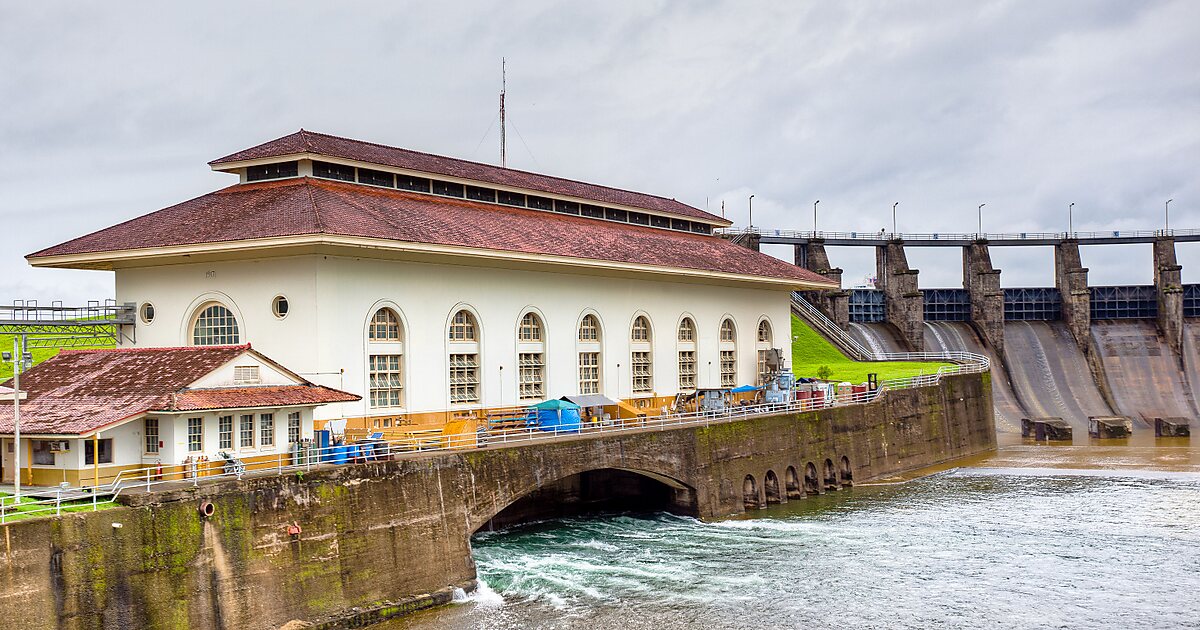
(112, 111)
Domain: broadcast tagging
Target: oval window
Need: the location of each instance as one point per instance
(279, 306)
(147, 312)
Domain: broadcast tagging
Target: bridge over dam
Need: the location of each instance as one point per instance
(382, 538)
(1071, 350)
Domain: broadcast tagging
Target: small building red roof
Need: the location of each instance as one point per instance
(334, 146)
(310, 206)
(77, 392)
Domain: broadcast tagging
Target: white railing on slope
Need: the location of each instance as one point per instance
(150, 479)
(826, 326)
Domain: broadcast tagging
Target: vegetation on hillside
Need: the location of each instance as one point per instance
(39, 355)
(811, 352)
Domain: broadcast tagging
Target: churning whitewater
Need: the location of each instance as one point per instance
(968, 548)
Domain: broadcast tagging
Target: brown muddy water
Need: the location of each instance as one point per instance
(1102, 535)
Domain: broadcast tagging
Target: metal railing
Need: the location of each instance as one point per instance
(72, 500)
(827, 327)
(956, 236)
(153, 478)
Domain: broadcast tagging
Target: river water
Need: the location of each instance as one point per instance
(971, 547)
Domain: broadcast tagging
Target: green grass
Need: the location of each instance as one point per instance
(31, 508)
(39, 355)
(810, 351)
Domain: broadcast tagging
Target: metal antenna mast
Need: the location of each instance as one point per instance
(503, 86)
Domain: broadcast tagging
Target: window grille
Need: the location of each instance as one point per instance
(642, 372)
(531, 370)
(266, 429)
(272, 171)
(589, 372)
(245, 374)
(293, 427)
(215, 326)
(225, 431)
(247, 431)
(386, 380)
(448, 189)
(728, 333)
(687, 330)
(150, 430)
(329, 170)
(462, 327)
(589, 328)
(478, 193)
(531, 328)
(641, 329)
(376, 178)
(464, 378)
(195, 429)
(764, 332)
(687, 370)
(728, 368)
(385, 326)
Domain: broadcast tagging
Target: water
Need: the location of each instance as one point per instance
(966, 548)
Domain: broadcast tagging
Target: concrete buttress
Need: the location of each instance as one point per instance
(1070, 276)
(982, 283)
(905, 305)
(1168, 285)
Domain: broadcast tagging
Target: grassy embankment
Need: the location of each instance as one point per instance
(37, 508)
(39, 355)
(810, 351)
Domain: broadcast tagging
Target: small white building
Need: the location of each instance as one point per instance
(438, 288)
(87, 415)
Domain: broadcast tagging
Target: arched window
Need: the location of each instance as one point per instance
(728, 353)
(763, 343)
(531, 358)
(687, 354)
(462, 327)
(385, 359)
(215, 325)
(531, 328)
(589, 355)
(641, 360)
(464, 358)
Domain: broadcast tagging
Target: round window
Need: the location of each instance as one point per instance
(279, 306)
(147, 312)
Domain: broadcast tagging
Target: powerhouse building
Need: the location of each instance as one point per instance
(437, 288)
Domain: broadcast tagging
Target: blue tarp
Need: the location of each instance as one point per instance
(743, 389)
(564, 419)
(554, 404)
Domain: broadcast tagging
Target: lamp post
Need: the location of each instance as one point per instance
(815, 217)
(1167, 214)
(894, 218)
(1070, 219)
(980, 211)
(18, 358)
(751, 210)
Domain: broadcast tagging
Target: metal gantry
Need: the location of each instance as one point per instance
(58, 326)
(947, 305)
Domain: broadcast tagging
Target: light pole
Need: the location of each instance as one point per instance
(751, 210)
(1070, 219)
(1167, 214)
(18, 358)
(980, 211)
(815, 217)
(894, 218)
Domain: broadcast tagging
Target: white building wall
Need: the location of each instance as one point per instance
(331, 300)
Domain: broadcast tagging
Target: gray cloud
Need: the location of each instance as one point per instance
(1026, 106)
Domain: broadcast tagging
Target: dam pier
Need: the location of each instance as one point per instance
(1073, 351)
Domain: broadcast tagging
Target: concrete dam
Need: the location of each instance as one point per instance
(1071, 351)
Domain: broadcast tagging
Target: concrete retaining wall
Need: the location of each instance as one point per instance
(385, 538)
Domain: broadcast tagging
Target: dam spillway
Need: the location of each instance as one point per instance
(1145, 377)
(960, 337)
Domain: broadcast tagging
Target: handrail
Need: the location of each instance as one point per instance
(955, 236)
(826, 326)
(150, 479)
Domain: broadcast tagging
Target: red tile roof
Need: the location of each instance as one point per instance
(79, 391)
(308, 206)
(333, 146)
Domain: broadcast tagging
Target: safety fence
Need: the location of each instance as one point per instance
(958, 236)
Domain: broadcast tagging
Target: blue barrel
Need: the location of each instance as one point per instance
(341, 454)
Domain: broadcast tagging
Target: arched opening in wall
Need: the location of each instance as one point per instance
(811, 484)
(847, 472)
(599, 492)
(750, 493)
(831, 478)
(792, 483)
(771, 487)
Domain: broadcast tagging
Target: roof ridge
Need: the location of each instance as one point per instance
(313, 200)
(243, 346)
